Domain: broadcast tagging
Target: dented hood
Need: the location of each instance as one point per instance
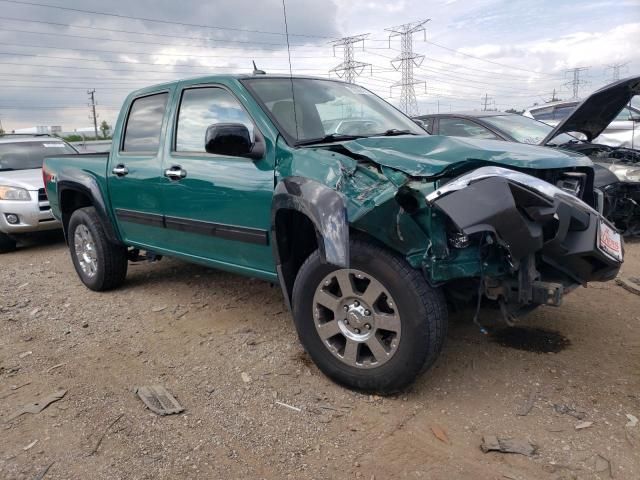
(598, 110)
(430, 155)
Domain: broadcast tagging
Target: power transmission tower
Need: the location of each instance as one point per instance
(349, 69)
(577, 80)
(616, 69)
(488, 101)
(92, 98)
(405, 62)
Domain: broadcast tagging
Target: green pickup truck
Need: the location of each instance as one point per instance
(372, 227)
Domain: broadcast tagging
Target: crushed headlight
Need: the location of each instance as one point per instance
(14, 193)
(626, 173)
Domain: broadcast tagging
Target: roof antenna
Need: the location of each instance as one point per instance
(256, 70)
(293, 95)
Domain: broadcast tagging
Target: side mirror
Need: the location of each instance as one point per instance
(419, 122)
(231, 139)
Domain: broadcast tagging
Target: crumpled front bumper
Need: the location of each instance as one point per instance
(547, 233)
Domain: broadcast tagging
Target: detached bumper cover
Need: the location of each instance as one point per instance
(530, 217)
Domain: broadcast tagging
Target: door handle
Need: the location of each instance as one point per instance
(175, 173)
(120, 170)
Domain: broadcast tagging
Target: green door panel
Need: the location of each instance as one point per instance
(221, 209)
(136, 197)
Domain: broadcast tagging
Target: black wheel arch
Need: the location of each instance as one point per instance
(83, 191)
(307, 215)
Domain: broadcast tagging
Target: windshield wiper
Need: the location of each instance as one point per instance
(393, 132)
(332, 137)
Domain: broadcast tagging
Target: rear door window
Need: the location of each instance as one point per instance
(144, 124)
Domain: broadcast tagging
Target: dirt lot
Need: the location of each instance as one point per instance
(226, 348)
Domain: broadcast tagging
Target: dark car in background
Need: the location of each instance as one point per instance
(617, 169)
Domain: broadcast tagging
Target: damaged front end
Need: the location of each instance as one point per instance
(533, 241)
(492, 232)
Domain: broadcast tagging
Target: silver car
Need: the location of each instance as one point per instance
(24, 206)
(623, 131)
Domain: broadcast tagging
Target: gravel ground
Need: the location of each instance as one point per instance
(225, 347)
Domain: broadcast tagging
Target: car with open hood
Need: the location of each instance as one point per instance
(371, 227)
(617, 169)
(24, 207)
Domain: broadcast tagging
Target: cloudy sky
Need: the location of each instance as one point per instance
(515, 52)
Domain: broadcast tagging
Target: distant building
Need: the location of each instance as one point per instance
(40, 129)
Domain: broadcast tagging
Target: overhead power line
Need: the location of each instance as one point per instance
(485, 60)
(349, 69)
(160, 21)
(405, 63)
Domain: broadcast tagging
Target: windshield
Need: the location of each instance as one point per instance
(27, 155)
(326, 107)
(525, 129)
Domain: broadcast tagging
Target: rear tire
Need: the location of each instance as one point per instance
(7, 244)
(382, 305)
(100, 264)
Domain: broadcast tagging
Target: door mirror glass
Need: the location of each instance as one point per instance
(231, 139)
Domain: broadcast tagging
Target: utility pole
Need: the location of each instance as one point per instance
(92, 98)
(577, 80)
(487, 101)
(616, 69)
(405, 62)
(349, 69)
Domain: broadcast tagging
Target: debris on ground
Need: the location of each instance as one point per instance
(526, 408)
(583, 425)
(25, 354)
(104, 434)
(30, 446)
(159, 400)
(55, 367)
(38, 406)
(567, 410)
(633, 420)
(631, 284)
(288, 406)
(492, 443)
(43, 472)
(245, 377)
(440, 433)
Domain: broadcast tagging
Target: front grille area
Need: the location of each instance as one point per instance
(43, 200)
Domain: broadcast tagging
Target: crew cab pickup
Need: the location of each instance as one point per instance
(372, 227)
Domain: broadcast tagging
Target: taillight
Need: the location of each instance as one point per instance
(46, 177)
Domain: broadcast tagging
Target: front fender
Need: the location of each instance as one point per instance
(324, 207)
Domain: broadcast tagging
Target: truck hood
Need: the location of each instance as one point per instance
(30, 179)
(430, 155)
(598, 110)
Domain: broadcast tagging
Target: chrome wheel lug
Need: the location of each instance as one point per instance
(346, 308)
(357, 330)
(346, 322)
(367, 326)
(367, 312)
(356, 303)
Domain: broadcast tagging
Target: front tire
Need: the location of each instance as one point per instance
(7, 244)
(100, 264)
(373, 327)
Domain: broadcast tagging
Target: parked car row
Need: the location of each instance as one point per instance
(580, 129)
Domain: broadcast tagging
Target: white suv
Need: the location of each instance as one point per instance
(24, 206)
